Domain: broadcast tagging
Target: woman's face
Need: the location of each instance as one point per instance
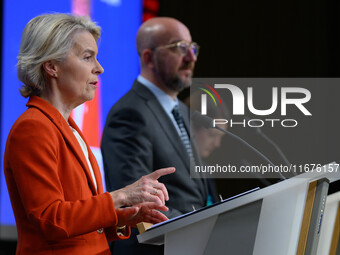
(78, 73)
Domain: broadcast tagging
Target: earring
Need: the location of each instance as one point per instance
(54, 75)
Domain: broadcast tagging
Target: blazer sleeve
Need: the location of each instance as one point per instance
(34, 158)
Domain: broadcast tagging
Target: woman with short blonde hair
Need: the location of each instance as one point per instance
(52, 176)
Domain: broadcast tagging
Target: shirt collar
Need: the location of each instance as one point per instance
(164, 99)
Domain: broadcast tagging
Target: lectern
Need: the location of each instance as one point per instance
(330, 232)
(284, 218)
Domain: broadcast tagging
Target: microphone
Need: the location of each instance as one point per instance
(259, 132)
(207, 122)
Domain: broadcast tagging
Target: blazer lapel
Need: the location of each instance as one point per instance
(171, 131)
(94, 164)
(164, 121)
(58, 120)
(81, 157)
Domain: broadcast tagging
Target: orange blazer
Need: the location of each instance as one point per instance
(56, 206)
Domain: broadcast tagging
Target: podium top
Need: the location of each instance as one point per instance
(155, 235)
(203, 208)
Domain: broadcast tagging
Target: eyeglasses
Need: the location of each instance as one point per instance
(182, 47)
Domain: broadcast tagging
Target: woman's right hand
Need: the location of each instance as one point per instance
(147, 212)
(146, 189)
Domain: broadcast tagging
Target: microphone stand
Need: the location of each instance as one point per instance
(250, 147)
(206, 121)
(259, 132)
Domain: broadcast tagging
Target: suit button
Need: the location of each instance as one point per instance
(100, 231)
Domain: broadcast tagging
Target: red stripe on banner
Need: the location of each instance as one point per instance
(81, 7)
(150, 9)
(91, 119)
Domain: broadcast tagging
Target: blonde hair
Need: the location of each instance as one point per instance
(47, 37)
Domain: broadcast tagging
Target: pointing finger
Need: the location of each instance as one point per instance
(161, 172)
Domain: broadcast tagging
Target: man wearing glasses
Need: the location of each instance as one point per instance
(148, 128)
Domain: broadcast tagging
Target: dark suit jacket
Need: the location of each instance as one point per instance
(139, 138)
(57, 208)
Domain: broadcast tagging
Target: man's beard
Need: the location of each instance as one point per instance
(176, 83)
(173, 81)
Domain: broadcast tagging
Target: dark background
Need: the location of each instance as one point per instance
(245, 38)
(249, 39)
(283, 38)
